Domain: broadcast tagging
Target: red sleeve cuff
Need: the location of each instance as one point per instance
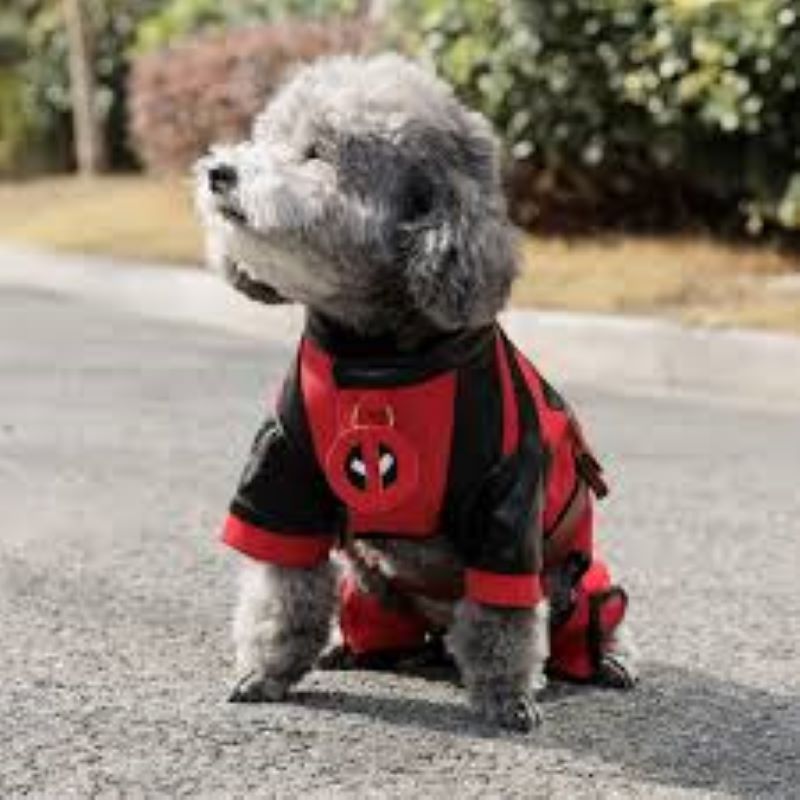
(494, 589)
(284, 550)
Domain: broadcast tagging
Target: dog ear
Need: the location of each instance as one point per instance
(460, 257)
(457, 243)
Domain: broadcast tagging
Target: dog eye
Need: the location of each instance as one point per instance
(418, 198)
(311, 153)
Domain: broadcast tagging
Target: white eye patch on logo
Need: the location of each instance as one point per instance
(384, 465)
(358, 472)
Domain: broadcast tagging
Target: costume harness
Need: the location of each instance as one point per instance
(463, 439)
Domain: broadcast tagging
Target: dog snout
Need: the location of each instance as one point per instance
(222, 178)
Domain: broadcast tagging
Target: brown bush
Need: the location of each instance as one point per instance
(209, 88)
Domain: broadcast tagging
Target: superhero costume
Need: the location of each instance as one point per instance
(463, 439)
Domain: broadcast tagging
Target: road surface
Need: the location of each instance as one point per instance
(120, 440)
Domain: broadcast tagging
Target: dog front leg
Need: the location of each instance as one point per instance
(281, 624)
(501, 654)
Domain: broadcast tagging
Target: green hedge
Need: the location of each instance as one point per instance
(623, 110)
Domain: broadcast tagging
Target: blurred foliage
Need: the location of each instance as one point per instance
(12, 38)
(35, 122)
(37, 36)
(614, 112)
(611, 107)
(181, 18)
(15, 125)
(17, 122)
(210, 87)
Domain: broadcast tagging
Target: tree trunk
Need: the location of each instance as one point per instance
(90, 154)
(373, 10)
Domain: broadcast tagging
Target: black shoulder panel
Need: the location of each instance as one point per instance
(496, 501)
(283, 488)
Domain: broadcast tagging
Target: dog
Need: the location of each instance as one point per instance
(411, 437)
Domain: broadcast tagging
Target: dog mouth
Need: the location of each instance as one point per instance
(255, 290)
(232, 213)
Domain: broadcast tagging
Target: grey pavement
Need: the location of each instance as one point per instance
(121, 436)
(748, 368)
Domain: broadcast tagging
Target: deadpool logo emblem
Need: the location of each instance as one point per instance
(357, 467)
(371, 465)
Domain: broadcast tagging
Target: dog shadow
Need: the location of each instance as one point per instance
(678, 728)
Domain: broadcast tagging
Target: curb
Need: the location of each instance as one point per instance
(646, 355)
(631, 354)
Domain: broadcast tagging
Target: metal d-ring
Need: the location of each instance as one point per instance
(355, 422)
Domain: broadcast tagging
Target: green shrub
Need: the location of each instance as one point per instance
(633, 110)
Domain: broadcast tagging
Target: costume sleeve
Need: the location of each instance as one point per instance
(498, 518)
(502, 545)
(283, 512)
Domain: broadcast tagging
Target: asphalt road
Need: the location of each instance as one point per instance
(120, 439)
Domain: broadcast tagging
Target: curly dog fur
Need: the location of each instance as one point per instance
(368, 192)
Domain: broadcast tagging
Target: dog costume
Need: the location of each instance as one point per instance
(463, 439)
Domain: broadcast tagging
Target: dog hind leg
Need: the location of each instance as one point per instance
(281, 624)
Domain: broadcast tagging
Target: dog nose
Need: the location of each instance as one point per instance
(222, 178)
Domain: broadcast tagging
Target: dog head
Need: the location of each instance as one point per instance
(368, 193)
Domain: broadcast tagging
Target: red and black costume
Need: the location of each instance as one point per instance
(464, 439)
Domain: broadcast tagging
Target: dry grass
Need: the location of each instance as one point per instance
(125, 216)
(692, 279)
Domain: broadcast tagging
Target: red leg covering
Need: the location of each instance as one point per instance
(576, 646)
(367, 626)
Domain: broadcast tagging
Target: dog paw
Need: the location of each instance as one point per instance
(519, 714)
(337, 657)
(256, 688)
(516, 712)
(617, 672)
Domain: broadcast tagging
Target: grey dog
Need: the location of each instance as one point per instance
(368, 193)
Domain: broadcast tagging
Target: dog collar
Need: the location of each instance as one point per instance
(379, 362)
